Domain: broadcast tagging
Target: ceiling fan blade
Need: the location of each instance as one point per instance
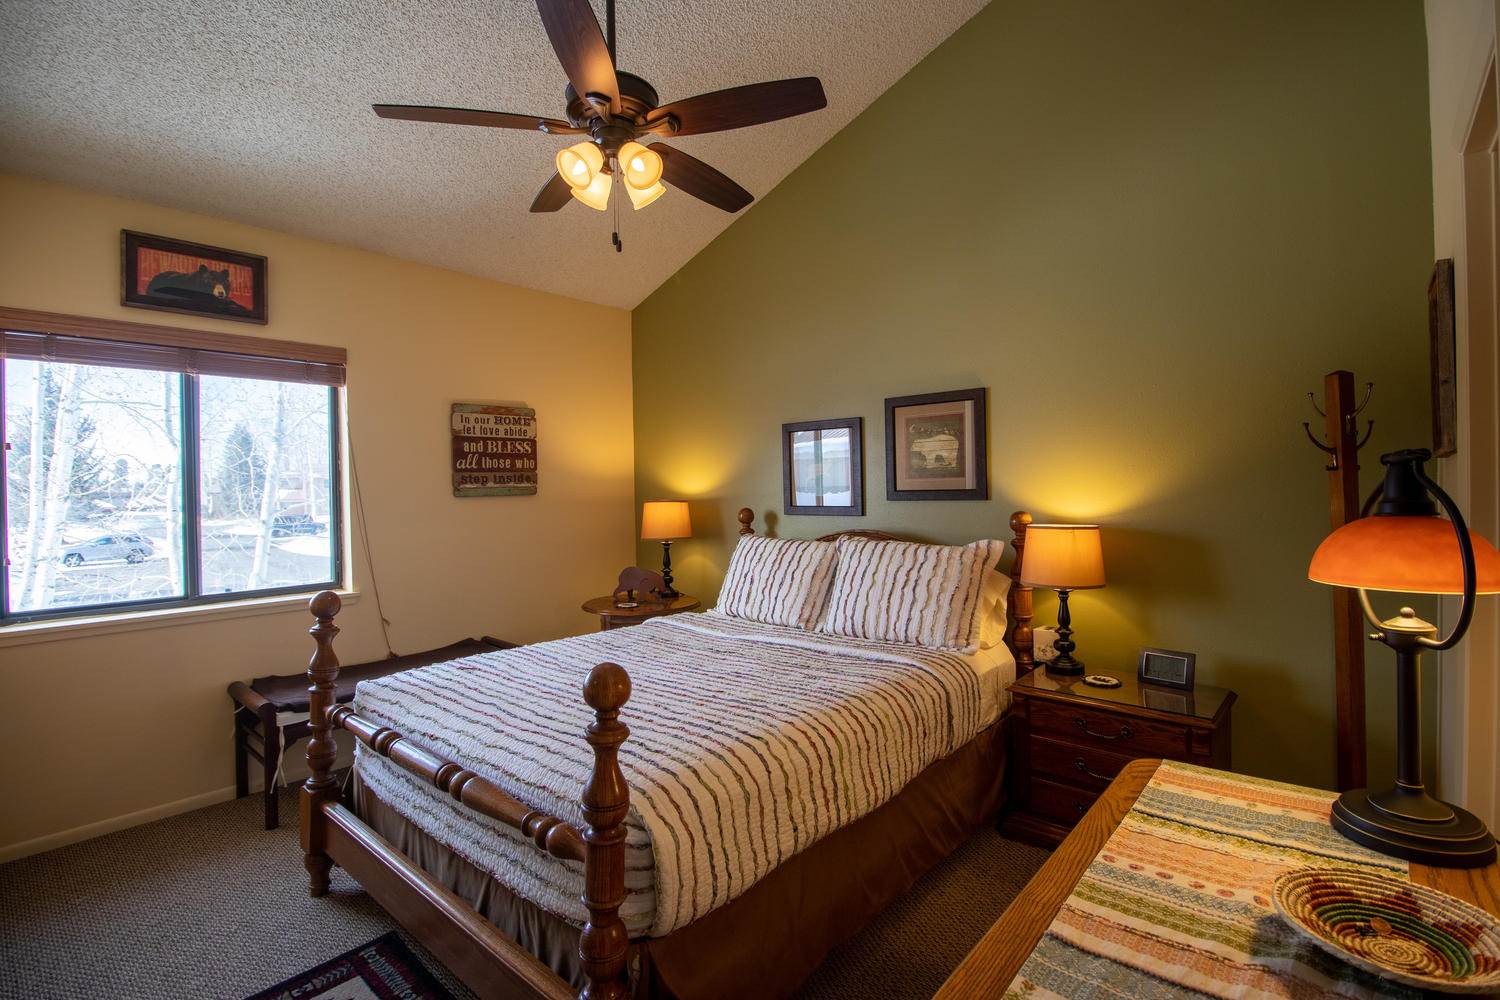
(692, 175)
(468, 116)
(553, 195)
(579, 44)
(738, 107)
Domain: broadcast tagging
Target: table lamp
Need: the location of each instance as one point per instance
(1064, 558)
(664, 520)
(1405, 546)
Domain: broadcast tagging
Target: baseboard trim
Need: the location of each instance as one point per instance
(52, 841)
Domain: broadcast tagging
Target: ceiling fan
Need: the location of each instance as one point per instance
(617, 109)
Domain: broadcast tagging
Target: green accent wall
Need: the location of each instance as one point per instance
(1149, 230)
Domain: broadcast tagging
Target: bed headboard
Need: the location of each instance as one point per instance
(1017, 607)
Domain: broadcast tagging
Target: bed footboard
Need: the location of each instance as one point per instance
(490, 964)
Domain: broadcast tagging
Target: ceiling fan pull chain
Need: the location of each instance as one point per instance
(615, 236)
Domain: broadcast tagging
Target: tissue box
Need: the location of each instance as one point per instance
(1043, 643)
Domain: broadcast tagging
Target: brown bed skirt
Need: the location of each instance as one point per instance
(764, 943)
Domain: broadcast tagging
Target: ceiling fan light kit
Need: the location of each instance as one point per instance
(616, 109)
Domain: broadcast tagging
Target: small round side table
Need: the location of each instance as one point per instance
(611, 616)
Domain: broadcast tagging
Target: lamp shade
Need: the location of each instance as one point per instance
(1413, 555)
(664, 519)
(596, 195)
(642, 166)
(640, 199)
(579, 164)
(1063, 557)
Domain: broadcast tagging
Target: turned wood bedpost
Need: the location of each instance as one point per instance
(322, 750)
(604, 944)
(747, 521)
(1021, 643)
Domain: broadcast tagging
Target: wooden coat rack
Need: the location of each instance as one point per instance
(1340, 414)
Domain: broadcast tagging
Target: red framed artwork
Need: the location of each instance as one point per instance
(177, 276)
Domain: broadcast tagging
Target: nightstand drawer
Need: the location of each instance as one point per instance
(1072, 764)
(1127, 735)
(1058, 803)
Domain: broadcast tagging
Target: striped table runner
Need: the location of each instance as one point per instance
(1178, 902)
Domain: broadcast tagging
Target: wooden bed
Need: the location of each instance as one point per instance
(488, 961)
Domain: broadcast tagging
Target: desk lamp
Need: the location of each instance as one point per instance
(1404, 546)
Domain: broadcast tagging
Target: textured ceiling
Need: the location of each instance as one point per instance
(259, 111)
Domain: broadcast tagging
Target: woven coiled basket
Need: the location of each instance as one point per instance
(1394, 928)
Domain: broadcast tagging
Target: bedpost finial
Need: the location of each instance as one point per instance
(607, 687)
(747, 519)
(325, 604)
(1019, 521)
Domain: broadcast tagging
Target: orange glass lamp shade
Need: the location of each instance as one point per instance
(1412, 555)
(665, 519)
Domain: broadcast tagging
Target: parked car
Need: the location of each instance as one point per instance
(131, 547)
(283, 525)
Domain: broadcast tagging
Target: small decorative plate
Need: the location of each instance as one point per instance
(1393, 928)
(1101, 681)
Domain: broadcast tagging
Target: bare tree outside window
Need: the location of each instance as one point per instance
(266, 486)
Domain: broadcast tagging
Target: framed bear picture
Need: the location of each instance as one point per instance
(177, 276)
(935, 446)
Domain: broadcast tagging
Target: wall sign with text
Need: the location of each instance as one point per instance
(494, 450)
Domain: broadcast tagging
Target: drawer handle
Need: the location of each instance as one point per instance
(1125, 731)
(1084, 768)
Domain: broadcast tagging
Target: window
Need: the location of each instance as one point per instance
(149, 475)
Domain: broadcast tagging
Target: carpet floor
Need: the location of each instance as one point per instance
(209, 905)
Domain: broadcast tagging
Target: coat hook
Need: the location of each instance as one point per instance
(1369, 429)
(1369, 389)
(1333, 452)
(1314, 401)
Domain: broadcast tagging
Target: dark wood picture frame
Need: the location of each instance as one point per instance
(856, 428)
(1181, 677)
(1444, 352)
(976, 430)
(209, 289)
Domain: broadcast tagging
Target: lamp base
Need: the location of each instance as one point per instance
(1063, 666)
(1388, 822)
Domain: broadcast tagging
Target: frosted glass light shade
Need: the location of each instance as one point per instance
(1406, 554)
(579, 164)
(663, 519)
(1063, 557)
(596, 195)
(640, 199)
(643, 166)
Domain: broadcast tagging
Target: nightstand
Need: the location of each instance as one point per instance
(1069, 740)
(611, 616)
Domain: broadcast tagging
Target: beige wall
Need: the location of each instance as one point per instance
(1149, 230)
(1460, 49)
(105, 726)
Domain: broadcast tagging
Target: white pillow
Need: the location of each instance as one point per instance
(924, 595)
(994, 598)
(779, 581)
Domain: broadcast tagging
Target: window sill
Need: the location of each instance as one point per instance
(57, 630)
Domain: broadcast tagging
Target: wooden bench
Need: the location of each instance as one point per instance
(271, 713)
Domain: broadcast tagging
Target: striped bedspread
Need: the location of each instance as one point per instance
(748, 742)
(1177, 904)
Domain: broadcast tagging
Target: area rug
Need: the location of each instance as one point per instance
(383, 969)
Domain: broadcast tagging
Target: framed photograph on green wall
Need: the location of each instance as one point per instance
(821, 467)
(935, 446)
